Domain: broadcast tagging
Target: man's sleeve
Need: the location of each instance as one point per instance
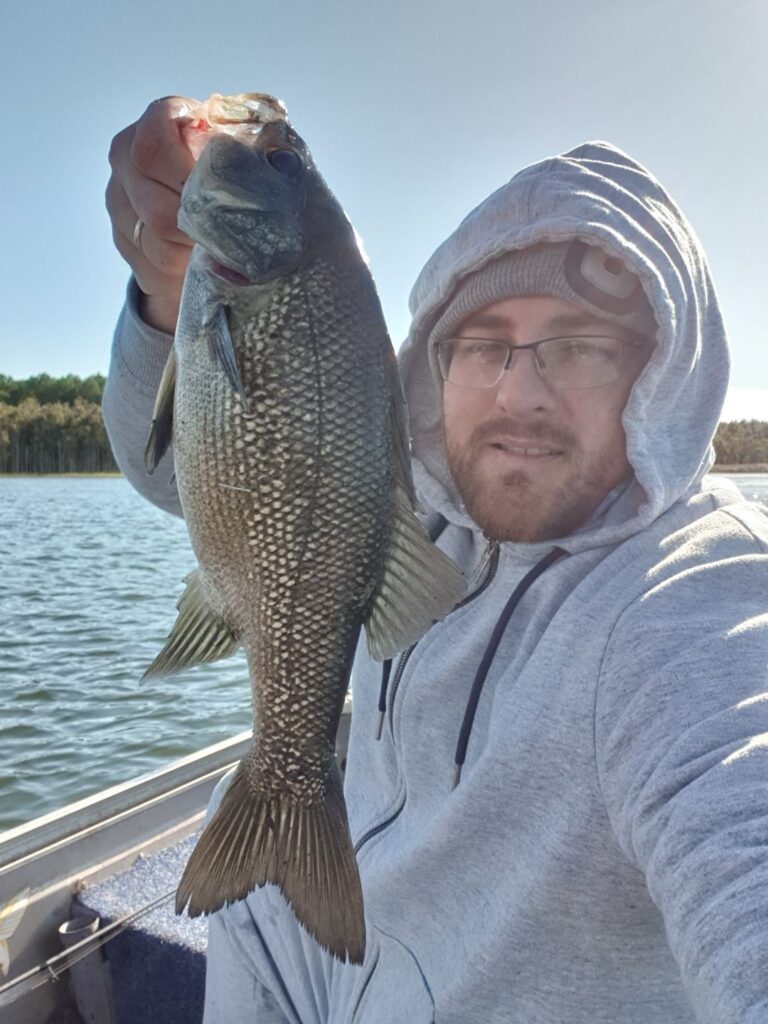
(139, 354)
(682, 752)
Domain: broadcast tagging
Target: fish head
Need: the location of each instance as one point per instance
(244, 203)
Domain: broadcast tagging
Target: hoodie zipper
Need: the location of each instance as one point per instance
(381, 826)
(492, 554)
(493, 564)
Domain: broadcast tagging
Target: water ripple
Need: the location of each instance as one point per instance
(91, 577)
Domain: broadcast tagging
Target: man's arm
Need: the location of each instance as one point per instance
(139, 353)
(150, 163)
(682, 751)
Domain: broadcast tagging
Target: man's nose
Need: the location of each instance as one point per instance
(522, 385)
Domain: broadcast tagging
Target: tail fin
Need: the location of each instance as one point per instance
(305, 849)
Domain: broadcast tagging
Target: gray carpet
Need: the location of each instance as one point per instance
(157, 964)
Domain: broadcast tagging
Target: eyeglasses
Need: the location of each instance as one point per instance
(583, 361)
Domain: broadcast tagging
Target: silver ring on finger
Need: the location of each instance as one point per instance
(137, 230)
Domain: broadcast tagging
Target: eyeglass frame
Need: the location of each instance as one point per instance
(635, 341)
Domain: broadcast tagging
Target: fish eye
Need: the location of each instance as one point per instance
(286, 161)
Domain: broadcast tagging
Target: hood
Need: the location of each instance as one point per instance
(601, 196)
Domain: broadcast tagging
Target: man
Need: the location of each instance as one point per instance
(562, 813)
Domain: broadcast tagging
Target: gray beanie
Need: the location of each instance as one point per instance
(580, 273)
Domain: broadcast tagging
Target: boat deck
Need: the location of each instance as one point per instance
(104, 871)
(157, 964)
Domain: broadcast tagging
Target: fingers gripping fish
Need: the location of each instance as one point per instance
(292, 461)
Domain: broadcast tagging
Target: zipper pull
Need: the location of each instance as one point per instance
(386, 668)
(491, 547)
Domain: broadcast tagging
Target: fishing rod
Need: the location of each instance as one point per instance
(53, 968)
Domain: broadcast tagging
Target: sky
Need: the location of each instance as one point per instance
(414, 110)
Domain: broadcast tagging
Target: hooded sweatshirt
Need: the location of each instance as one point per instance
(604, 855)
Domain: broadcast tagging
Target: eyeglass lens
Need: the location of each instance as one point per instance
(578, 362)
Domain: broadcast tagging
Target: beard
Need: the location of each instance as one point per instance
(529, 505)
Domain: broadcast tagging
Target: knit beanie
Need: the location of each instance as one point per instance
(582, 274)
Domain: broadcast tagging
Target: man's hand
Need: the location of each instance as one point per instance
(150, 163)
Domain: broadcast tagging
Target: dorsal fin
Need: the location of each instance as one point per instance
(419, 583)
(161, 431)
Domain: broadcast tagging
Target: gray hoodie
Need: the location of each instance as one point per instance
(604, 857)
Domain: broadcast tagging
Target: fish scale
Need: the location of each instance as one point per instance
(292, 464)
(303, 529)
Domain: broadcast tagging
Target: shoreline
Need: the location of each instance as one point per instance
(30, 475)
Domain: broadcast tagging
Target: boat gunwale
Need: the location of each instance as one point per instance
(108, 804)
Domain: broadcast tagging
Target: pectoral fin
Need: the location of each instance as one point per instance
(161, 432)
(222, 349)
(198, 635)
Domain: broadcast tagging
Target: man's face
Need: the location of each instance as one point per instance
(545, 494)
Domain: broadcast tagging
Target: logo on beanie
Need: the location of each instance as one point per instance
(602, 280)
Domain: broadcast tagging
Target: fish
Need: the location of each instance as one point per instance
(282, 403)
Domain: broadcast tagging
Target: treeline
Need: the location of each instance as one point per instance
(53, 425)
(742, 441)
(48, 390)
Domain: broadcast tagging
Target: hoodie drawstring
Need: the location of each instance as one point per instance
(490, 651)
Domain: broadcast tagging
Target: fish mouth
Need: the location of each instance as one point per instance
(227, 273)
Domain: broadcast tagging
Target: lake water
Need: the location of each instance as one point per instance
(90, 577)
